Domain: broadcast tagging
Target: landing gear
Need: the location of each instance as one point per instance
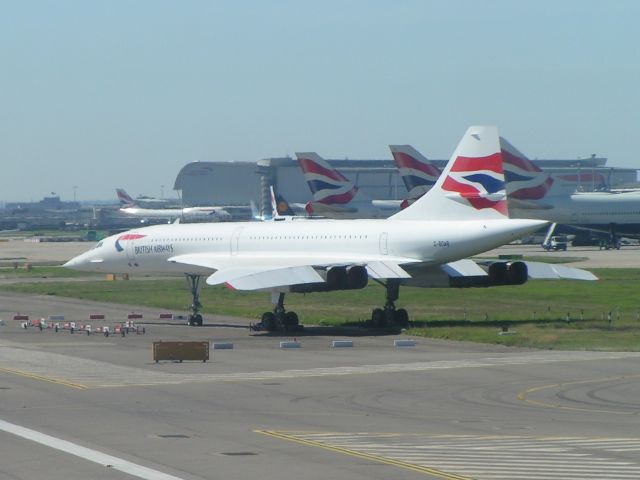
(195, 319)
(280, 319)
(614, 240)
(389, 315)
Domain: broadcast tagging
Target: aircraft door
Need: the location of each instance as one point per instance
(383, 243)
(235, 240)
(130, 250)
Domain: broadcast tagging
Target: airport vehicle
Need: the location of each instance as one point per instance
(425, 245)
(187, 214)
(335, 196)
(557, 242)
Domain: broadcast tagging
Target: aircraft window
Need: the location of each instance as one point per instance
(98, 245)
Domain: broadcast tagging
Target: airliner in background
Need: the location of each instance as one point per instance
(335, 196)
(417, 173)
(144, 201)
(534, 193)
(186, 214)
(424, 245)
(535, 196)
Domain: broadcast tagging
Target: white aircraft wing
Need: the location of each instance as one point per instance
(539, 270)
(256, 278)
(255, 272)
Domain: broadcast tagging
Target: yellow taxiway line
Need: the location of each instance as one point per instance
(522, 395)
(34, 376)
(376, 458)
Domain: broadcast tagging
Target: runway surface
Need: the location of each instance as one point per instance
(77, 406)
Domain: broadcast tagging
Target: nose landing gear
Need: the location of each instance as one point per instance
(195, 319)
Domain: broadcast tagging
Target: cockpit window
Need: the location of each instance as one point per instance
(98, 245)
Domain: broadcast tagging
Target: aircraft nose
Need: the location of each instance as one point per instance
(73, 263)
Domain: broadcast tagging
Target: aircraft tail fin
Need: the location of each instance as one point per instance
(471, 186)
(417, 173)
(279, 206)
(327, 184)
(125, 198)
(524, 179)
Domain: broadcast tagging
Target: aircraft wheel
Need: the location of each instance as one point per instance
(401, 318)
(197, 320)
(269, 321)
(291, 321)
(377, 318)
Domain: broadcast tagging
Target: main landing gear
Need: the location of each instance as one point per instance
(389, 315)
(280, 319)
(195, 319)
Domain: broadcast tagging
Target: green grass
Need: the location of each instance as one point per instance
(38, 271)
(536, 310)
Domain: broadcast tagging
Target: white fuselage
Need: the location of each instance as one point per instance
(587, 209)
(148, 250)
(212, 214)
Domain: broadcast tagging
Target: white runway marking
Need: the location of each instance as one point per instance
(484, 457)
(87, 373)
(86, 453)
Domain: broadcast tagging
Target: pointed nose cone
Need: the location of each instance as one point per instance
(73, 263)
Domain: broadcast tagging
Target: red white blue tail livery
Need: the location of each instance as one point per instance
(525, 181)
(417, 173)
(327, 184)
(473, 178)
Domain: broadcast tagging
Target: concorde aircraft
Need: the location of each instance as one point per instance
(464, 214)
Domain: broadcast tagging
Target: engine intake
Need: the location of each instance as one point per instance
(498, 273)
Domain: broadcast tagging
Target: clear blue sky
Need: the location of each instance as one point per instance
(124, 93)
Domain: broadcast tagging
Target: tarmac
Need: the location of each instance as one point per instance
(78, 406)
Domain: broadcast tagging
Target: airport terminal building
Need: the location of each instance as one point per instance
(238, 183)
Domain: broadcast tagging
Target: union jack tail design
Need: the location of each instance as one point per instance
(479, 180)
(327, 184)
(471, 186)
(525, 181)
(417, 173)
(125, 198)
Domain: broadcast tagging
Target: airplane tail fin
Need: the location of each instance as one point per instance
(279, 206)
(471, 186)
(417, 173)
(125, 198)
(524, 180)
(327, 184)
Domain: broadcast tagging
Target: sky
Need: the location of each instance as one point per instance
(99, 95)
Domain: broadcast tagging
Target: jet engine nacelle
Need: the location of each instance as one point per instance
(498, 273)
(353, 277)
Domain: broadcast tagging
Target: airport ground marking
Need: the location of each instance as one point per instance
(33, 376)
(367, 456)
(523, 394)
(486, 456)
(95, 456)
